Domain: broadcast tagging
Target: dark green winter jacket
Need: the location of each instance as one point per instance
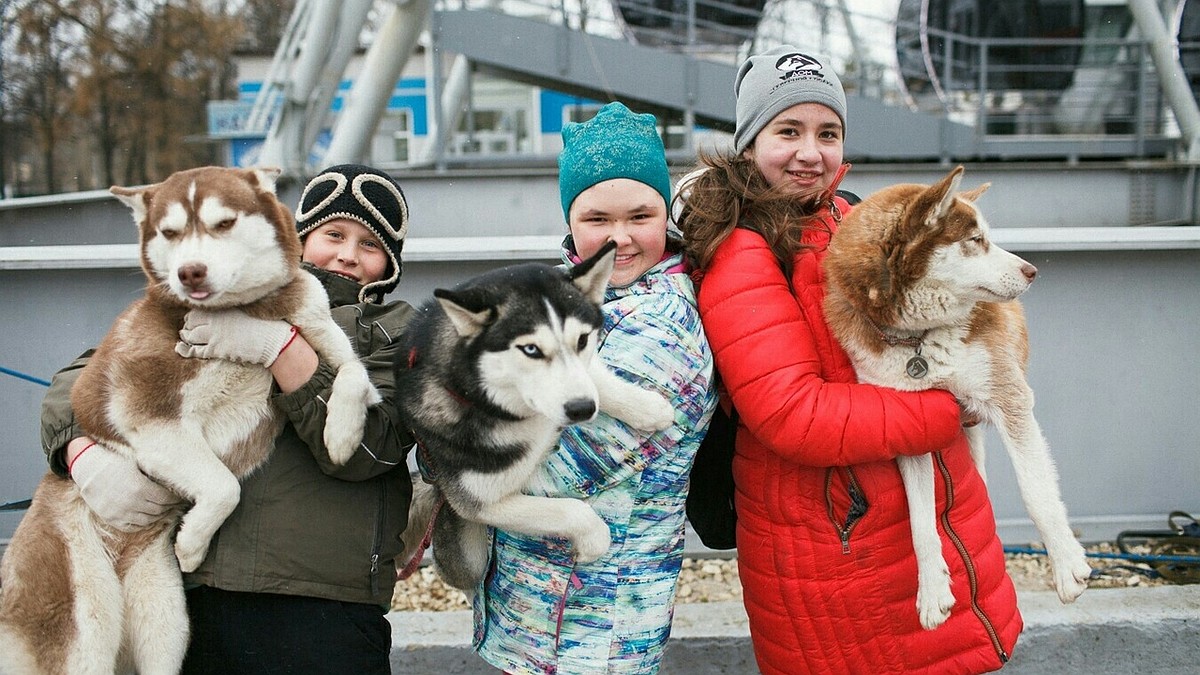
(305, 526)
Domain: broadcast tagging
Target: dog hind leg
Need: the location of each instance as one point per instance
(155, 610)
(977, 442)
(98, 613)
(60, 609)
(934, 599)
(460, 549)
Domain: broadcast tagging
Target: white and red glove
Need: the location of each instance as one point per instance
(232, 335)
(117, 491)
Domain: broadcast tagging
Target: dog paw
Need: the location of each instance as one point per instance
(650, 412)
(346, 413)
(189, 553)
(1070, 577)
(934, 599)
(593, 540)
(344, 426)
(341, 439)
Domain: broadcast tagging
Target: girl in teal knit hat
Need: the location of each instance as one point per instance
(538, 611)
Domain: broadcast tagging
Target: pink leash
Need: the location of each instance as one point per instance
(415, 562)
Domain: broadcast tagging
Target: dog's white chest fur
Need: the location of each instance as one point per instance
(943, 355)
(234, 398)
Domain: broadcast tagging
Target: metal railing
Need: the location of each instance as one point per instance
(1099, 87)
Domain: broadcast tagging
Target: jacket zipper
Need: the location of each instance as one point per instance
(378, 543)
(966, 557)
(858, 506)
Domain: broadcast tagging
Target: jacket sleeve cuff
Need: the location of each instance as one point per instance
(295, 403)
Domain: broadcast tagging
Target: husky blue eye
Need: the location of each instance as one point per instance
(532, 351)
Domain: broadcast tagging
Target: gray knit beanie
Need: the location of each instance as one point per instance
(771, 82)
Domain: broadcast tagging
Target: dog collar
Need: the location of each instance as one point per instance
(917, 367)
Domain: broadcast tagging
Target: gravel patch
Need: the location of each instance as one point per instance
(716, 580)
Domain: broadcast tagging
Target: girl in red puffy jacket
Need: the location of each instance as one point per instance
(824, 547)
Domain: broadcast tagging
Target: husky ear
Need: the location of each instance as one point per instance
(134, 198)
(267, 176)
(972, 195)
(469, 310)
(591, 275)
(943, 195)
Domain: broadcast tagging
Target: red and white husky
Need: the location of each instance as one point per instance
(81, 597)
(920, 298)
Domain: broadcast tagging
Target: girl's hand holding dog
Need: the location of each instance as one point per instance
(115, 489)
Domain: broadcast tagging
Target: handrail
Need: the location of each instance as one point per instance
(546, 247)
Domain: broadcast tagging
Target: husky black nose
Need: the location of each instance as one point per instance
(193, 274)
(580, 409)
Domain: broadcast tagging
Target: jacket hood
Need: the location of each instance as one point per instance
(669, 273)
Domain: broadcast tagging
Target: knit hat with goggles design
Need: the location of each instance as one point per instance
(364, 195)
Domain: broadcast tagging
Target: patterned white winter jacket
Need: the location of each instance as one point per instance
(538, 612)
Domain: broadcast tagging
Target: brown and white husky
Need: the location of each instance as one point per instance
(81, 597)
(920, 298)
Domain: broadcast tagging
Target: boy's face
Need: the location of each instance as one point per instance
(800, 149)
(628, 212)
(346, 247)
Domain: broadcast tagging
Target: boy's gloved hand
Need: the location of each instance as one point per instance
(231, 335)
(117, 491)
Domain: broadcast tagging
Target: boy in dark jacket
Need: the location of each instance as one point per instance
(298, 579)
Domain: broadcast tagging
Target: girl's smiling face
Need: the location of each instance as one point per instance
(628, 212)
(800, 149)
(347, 248)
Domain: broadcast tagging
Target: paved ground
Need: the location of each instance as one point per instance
(1145, 631)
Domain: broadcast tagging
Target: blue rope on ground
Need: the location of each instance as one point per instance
(23, 376)
(1133, 557)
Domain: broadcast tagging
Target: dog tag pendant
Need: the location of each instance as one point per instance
(917, 367)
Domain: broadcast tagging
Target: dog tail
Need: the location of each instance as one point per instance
(417, 533)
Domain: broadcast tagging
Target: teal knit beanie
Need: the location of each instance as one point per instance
(616, 143)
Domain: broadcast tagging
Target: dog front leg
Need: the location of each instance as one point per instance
(352, 392)
(551, 517)
(639, 408)
(1037, 478)
(181, 459)
(934, 599)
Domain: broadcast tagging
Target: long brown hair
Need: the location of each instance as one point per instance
(729, 192)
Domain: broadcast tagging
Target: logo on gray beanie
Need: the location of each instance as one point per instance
(794, 64)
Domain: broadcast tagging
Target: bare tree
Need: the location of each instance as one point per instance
(121, 85)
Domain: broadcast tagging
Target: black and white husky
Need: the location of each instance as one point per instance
(491, 373)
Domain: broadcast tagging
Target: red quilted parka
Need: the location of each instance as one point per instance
(824, 546)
